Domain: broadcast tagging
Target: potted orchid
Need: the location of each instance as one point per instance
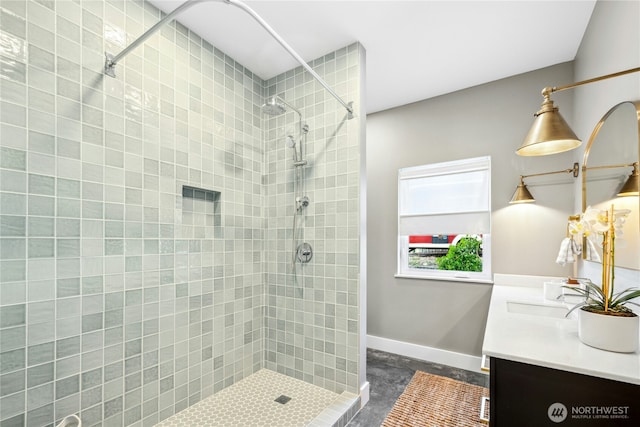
(604, 319)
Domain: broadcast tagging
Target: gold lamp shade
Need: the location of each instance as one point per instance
(630, 188)
(522, 194)
(550, 133)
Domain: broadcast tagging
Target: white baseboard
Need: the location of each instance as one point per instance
(429, 354)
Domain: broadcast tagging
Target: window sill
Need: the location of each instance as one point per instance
(446, 279)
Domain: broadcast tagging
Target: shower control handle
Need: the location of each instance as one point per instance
(302, 202)
(304, 252)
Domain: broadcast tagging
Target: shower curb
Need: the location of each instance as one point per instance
(339, 413)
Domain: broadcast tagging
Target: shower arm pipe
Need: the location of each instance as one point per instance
(111, 60)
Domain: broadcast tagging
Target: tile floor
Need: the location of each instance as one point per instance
(266, 399)
(388, 375)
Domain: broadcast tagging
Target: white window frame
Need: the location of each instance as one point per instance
(447, 220)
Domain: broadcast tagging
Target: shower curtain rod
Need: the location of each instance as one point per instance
(111, 60)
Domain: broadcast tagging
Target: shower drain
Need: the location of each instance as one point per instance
(283, 399)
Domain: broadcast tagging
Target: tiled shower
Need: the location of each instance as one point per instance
(145, 220)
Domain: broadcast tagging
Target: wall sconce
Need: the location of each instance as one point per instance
(630, 187)
(522, 193)
(550, 133)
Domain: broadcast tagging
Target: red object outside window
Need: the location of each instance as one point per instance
(429, 239)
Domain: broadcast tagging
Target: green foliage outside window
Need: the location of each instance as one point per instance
(463, 256)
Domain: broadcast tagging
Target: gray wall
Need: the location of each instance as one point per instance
(491, 120)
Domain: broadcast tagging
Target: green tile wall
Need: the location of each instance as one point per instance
(312, 317)
(120, 298)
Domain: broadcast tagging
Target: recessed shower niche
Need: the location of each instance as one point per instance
(201, 217)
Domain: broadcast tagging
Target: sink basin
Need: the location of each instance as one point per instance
(555, 311)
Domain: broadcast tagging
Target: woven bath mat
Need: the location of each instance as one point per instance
(435, 401)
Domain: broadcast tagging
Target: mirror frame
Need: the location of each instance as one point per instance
(594, 134)
(592, 138)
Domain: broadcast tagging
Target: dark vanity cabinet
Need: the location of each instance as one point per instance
(524, 395)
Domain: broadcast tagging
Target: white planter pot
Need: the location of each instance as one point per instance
(611, 333)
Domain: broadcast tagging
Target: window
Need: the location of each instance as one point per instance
(444, 221)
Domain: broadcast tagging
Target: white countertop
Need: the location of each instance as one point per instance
(547, 341)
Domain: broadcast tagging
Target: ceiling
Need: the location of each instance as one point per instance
(415, 49)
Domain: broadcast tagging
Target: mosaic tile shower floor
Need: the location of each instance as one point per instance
(251, 402)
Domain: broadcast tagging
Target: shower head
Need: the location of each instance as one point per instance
(273, 106)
